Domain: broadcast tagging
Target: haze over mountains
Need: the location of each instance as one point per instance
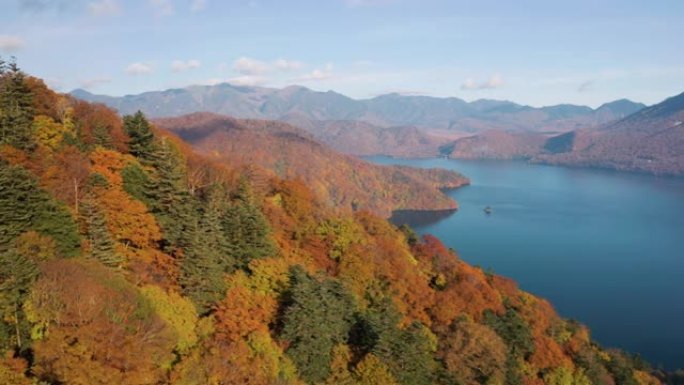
(299, 104)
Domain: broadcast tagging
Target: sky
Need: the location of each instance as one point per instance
(528, 51)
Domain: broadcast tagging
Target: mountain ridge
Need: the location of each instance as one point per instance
(650, 140)
(391, 109)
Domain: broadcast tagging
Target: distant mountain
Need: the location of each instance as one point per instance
(650, 140)
(364, 139)
(497, 144)
(340, 180)
(391, 110)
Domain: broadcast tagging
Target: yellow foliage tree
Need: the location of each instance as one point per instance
(371, 371)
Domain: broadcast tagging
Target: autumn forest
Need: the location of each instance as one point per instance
(128, 258)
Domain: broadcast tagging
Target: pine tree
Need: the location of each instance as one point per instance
(246, 229)
(135, 180)
(23, 207)
(202, 277)
(101, 242)
(141, 142)
(408, 353)
(208, 256)
(16, 108)
(318, 316)
(168, 197)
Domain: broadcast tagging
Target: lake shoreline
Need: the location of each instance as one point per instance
(603, 246)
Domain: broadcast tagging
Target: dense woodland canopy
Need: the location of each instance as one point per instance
(127, 259)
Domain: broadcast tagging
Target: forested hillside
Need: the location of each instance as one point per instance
(338, 180)
(127, 259)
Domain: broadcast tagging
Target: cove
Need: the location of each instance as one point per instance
(606, 248)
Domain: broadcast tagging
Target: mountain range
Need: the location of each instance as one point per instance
(650, 140)
(296, 102)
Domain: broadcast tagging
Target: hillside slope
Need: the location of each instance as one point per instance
(651, 140)
(339, 180)
(364, 139)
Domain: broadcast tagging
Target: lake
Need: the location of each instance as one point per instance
(606, 248)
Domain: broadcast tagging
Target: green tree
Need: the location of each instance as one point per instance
(24, 206)
(99, 239)
(317, 316)
(407, 352)
(517, 335)
(134, 181)
(513, 329)
(168, 197)
(141, 143)
(16, 107)
(17, 273)
(246, 229)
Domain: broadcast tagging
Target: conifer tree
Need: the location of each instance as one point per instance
(246, 229)
(135, 180)
(407, 352)
(202, 274)
(318, 316)
(23, 207)
(99, 238)
(168, 196)
(16, 108)
(141, 143)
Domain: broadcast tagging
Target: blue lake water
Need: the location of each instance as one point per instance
(606, 248)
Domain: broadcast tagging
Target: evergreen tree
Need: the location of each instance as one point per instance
(317, 317)
(101, 242)
(23, 207)
(135, 179)
(168, 197)
(16, 108)
(202, 277)
(515, 331)
(408, 353)
(246, 229)
(17, 273)
(141, 142)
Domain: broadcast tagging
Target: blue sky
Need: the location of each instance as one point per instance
(528, 51)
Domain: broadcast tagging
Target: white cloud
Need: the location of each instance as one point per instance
(94, 82)
(318, 74)
(54, 83)
(104, 8)
(250, 67)
(136, 69)
(181, 66)
(162, 7)
(495, 81)
(288, 65)
(248, 80)
(198, 5)
(11, 43)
